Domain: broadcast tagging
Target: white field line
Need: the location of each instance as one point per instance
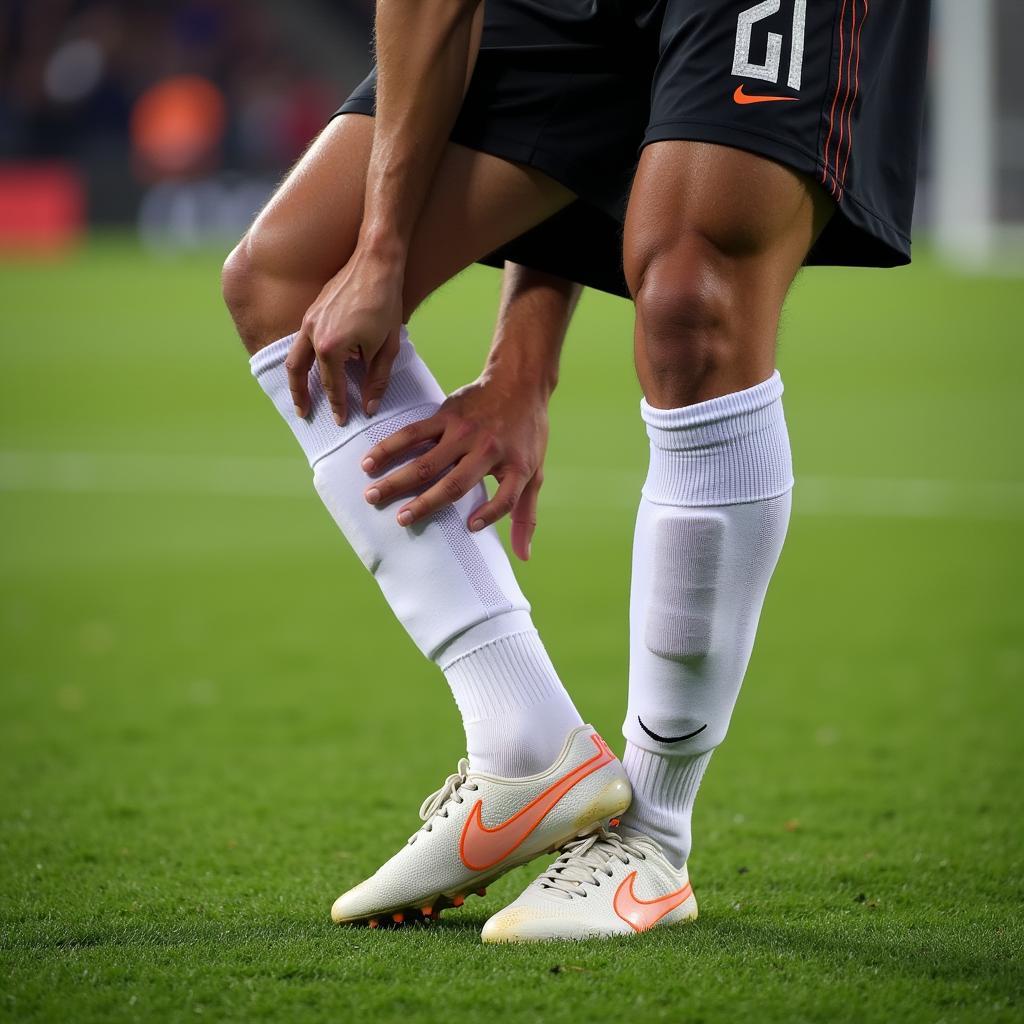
(279, 477)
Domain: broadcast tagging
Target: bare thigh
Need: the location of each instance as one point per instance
(308, 230)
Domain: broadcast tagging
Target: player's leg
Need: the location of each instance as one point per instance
(779, 159)
(303, 236)
(308, 230)
(757, 112)
(453, 590)
(714, 239)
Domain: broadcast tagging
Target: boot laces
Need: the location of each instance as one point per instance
(586, 860)
(436, 805)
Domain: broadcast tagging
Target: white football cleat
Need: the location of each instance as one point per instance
(607, 883)
(478, 826)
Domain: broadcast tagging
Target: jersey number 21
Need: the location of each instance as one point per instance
(743, 67)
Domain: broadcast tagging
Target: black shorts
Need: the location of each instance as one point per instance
(558, 86)
(575, 88)
(832, 88)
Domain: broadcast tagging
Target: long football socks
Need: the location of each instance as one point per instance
(709, 531)
(454, 591)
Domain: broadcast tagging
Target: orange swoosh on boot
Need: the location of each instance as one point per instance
(643, 914)
(481, 847)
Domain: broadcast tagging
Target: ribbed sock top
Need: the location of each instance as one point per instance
(664, 791)
(725, 451)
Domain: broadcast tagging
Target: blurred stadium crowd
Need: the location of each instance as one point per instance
(118, 106)
(178, 116)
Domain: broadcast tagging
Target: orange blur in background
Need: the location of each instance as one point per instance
(177, 127)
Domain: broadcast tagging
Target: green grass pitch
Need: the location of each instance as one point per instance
(210, 725)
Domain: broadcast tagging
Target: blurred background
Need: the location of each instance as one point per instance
(177, 116)
(174, 117)
(210, 724)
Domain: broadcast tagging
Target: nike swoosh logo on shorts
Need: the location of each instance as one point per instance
(643, 914)
(740, 97)
(481, 847)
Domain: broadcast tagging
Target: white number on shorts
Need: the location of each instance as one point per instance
(743, 67)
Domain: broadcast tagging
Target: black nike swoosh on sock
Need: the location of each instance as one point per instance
(670, 739)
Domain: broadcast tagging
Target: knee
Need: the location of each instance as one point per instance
(240, 292)
(684, 305)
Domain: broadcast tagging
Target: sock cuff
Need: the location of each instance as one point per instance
(507, 674)
(411, 386)
(482, 633)
(725, 451)
(717, 419)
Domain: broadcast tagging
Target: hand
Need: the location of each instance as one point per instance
(484, 429)
(357, 315)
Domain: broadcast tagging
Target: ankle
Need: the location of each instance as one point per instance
(664, 791)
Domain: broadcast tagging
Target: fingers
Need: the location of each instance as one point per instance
(422, 470)
(335, 382)
(378, 373)
(501, 505)
(524, 517)
(298, 363)
(458, 481)
(401, 442)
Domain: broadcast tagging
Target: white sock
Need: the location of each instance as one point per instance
(514, 708)
(453, 590)
(664, 791)
(710, 527)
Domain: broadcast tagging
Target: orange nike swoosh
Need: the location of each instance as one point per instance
(740, 97)
(481, 847)
(643, 914)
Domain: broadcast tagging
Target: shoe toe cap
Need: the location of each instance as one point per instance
(356, 903)
(535, 924)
